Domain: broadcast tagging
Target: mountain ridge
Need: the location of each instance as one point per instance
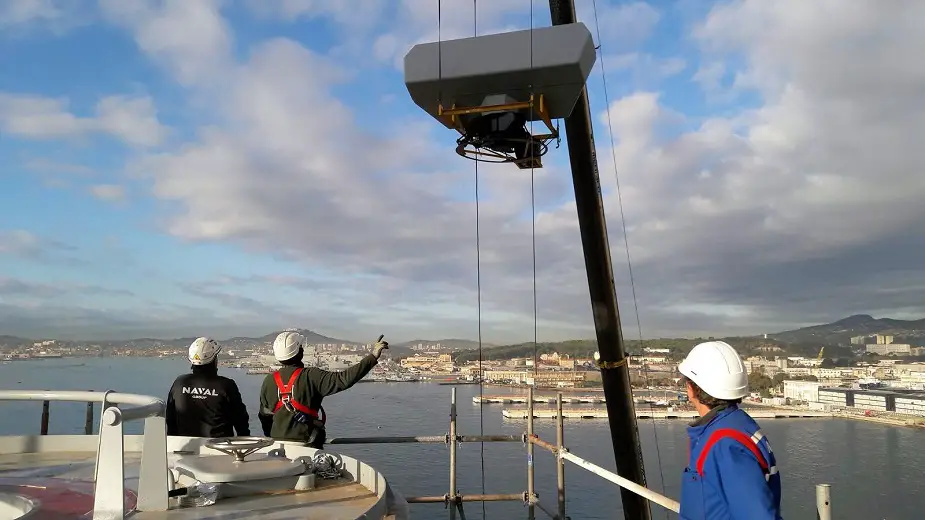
(841, 331)
(836, 332)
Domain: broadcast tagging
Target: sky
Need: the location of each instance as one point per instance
(181, 168)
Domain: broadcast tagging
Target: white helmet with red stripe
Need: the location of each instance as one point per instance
(717, 369)
(203, 351)
(287, 345)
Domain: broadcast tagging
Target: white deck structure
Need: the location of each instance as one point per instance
(113, 475)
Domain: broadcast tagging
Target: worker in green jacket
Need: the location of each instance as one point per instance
(290, 398)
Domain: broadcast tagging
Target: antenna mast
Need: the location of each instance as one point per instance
(617, 390)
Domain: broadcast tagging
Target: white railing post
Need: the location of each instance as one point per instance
(823, 502)
(652, 496)
(104, 404)
(109, 471)
(152, 480)
(109, 488)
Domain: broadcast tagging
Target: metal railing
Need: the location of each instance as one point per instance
(454, 500)
(152, 488)
(109, 470)
(46, 414)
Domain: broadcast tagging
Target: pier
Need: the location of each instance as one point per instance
(522, 399)
(601, 413)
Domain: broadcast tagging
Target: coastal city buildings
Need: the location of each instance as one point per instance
(890, 381)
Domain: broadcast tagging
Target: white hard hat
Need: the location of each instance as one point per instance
(203, 351)
(717, 369)
(287, 345)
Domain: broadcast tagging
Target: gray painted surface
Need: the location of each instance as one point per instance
(473, 68)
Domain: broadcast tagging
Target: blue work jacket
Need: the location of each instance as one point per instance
(732, 473)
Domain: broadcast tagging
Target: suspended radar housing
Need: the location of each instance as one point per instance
(490, 87)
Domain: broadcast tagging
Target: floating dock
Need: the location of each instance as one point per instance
(601, 413)
(522, 399)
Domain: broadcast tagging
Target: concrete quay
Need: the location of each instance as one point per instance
(551, 399)
(601, 413)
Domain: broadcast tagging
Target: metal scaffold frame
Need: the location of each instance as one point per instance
(453, 500)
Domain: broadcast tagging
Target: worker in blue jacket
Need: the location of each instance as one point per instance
(732, 473)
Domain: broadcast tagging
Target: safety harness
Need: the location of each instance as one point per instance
(284, 392)
(749, 441)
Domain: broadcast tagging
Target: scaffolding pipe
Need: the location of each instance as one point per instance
(592, 225)
(453, 496)
(490, 438)
(531, 514)
(626, 484)
(43, 428)
(497, 497)
(534, 439)
(823, 502)
(88, 419)
(389, 440)
(462, 513)
(560, 464)
(434, 439)
(549, 513)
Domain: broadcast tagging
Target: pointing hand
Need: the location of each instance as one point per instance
(380, 346)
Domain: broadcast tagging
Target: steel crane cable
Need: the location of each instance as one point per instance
(629, 263)
(531, 151)
(478, 282)
(478, 245)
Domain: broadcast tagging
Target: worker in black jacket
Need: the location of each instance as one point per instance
(203, 403)
(290, 398)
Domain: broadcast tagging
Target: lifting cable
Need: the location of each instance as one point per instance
(478, 277)
(629, 262)
(530, 150)
(478, 245)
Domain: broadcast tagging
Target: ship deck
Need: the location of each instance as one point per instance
(62, 480)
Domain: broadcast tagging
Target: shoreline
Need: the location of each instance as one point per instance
(900, 421)
(905, 421)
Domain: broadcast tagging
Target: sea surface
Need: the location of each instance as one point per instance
(876, 471)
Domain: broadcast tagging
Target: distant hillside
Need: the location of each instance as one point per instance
(455, 344)
(575, 348)
(841, 331)
(142, 343)
(310, 335)
(802, 341)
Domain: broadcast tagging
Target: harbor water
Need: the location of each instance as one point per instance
(875, 470)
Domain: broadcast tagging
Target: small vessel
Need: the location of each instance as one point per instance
(152, 476)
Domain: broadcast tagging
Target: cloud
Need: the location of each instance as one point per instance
(133, 120)
(24, 244)
(709, 75)
(53, 167)
(763, 217)
(108, 192)
(623, 24)
(801, 206)
(349, 15)
(645, 69)
(417, 21)
(190, 38)
(16, 287)
(54, 15)
(710, 211)
(91, 321)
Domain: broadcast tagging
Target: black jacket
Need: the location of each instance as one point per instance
(312, 386)
(205, 404)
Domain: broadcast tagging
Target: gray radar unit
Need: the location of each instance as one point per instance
(490, 87)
